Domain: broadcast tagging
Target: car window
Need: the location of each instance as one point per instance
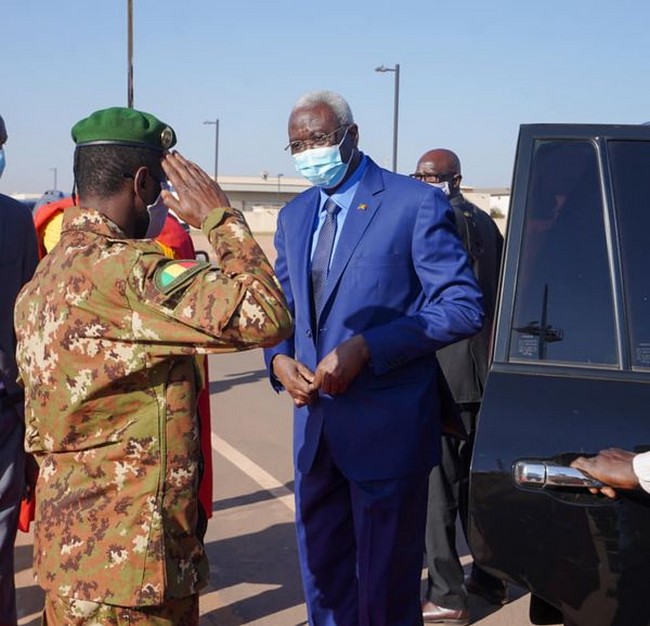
(630, 167)
(564, 308)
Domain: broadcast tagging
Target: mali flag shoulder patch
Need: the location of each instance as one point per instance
(175, 273)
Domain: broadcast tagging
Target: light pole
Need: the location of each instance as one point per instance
(129, 89)
(216, 146)
(395, 69)
(53, 169)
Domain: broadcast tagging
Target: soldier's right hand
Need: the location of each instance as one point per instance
(197, 193)
(296, 378)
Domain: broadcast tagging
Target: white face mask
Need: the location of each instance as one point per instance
(444, 186)
(157, 215)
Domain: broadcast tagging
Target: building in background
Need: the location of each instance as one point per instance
(261, 197)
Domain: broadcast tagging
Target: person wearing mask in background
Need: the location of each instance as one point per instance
(18, 260)
(464, 365)
(108, 333)
(378, 280)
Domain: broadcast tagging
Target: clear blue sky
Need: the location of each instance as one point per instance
(472, 71)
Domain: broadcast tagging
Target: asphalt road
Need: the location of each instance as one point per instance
(250, 539)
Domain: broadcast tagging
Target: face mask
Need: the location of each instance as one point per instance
(2, 161)
(157, 215)
(322, 167)
(444, 186)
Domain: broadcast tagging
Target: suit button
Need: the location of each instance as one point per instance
(308, 332)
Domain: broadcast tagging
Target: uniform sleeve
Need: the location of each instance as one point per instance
(235, 304)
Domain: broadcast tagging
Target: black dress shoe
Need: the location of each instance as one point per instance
(496, 593)
(434, 614)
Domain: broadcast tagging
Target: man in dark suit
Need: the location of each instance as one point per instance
(378, 280)
(18, 258)
(464, 365)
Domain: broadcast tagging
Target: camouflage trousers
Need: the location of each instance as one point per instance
(60, 611)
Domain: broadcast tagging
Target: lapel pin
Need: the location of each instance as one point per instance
(362, 207)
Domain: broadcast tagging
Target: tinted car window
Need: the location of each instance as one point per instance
(630, 166)
(564, 309)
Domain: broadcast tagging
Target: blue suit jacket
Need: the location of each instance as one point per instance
(401, 278)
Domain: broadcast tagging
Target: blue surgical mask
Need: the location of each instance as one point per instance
(3, 161)
(157, 215)
(324, 166)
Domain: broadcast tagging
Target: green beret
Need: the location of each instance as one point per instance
(126, 127)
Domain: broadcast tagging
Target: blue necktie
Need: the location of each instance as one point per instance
(322, 253)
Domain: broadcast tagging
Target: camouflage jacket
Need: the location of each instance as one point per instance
(108, 332)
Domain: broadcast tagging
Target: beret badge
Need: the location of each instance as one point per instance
(166, 137)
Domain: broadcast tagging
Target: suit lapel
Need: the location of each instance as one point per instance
(363, 208)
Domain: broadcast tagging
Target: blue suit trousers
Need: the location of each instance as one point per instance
(360, 546)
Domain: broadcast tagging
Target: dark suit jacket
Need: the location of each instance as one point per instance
(465, 363)
(401, 278)
(18, 259)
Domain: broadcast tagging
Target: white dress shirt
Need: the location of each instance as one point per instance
(641, 464)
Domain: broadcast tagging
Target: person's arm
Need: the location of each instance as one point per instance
(30, 251)
(28, 266)
(452, 304)
(285, 372)
(452, 307)
(235, 304)
(617, 469)
(451, 310)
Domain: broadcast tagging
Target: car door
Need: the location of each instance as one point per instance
(570, 375)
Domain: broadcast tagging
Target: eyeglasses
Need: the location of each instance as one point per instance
(317, 140)
(433, 178)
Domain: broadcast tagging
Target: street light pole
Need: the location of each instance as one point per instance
(130, 54)
(53, 169)
(395, 69)
(216, 147)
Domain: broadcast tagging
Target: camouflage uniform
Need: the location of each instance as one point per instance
(71, 612)
(108, 332)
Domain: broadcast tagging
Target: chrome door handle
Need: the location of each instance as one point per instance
(547, 474)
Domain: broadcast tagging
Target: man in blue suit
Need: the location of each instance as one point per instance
(378, 280)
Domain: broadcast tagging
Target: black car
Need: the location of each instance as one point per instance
(570, 376)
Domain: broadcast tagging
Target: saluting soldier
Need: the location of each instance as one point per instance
(108, 332)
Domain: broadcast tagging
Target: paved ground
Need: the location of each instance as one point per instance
(250, 540)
